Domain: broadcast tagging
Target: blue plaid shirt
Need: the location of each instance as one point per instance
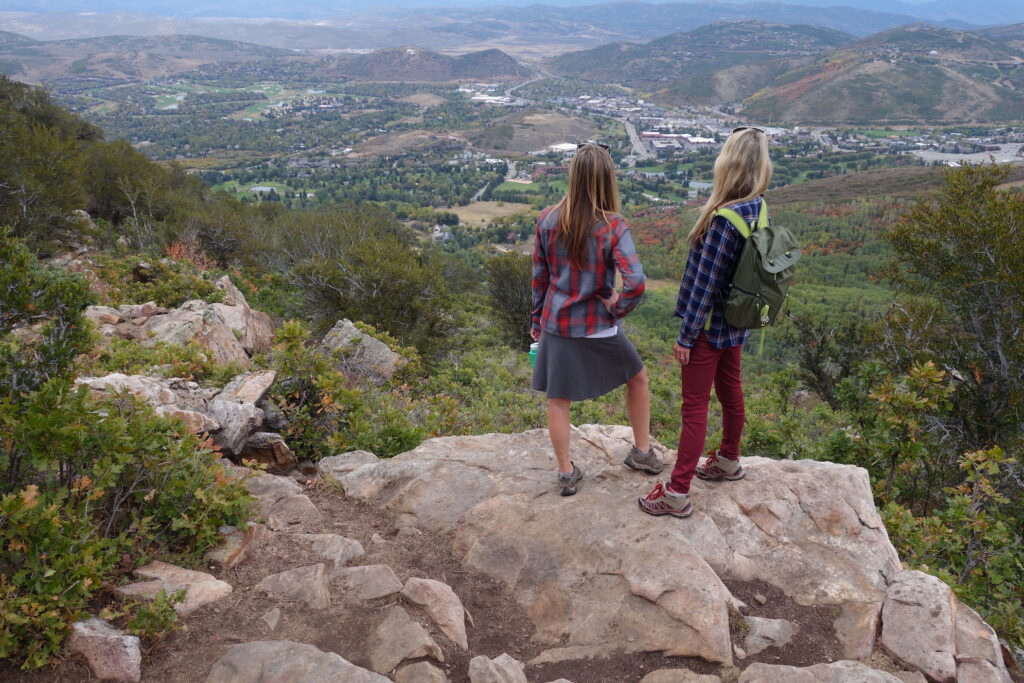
(709, 270)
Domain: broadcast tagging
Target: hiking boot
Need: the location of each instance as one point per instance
(569, 481)
(717, 466)
(648, 462)
(661, 501)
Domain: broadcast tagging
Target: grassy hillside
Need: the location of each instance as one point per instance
(123, 58)
(915, 73)
(414, 64)
(681, 64)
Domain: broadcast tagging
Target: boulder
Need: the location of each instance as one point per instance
(361, 355)
(918, 628)
(102, 315)
(305, 584)
(399, 638)
(269, 489)
(293, 510)
(236, 544)
(112, 655)
(283, 661)
(766, 633)
(369, 582)
(249, 387)
(152, 390)
(238, 421)
(268, 448)
(338, 549)
(979, 655)
(501, 669)
(590, 571)
(146, 310)
(678, 676)
(253, 329)
(195, 421)
(420, 672)
(838, 672)
(200, 588)
(334, 466)
(442, 604)
(856, 629)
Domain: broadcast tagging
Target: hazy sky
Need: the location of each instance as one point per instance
(973, 11)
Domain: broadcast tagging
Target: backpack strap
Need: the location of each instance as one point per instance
(740, 224)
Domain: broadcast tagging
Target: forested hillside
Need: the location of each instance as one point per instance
(900, 354)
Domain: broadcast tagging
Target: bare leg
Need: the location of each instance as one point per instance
(638, 407)
(558, 428)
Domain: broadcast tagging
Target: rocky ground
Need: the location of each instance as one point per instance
(459, 561)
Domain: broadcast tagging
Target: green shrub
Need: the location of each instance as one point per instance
(160, 359)
(52, 562)
(155, 619)
(326, 412)
(133, 279)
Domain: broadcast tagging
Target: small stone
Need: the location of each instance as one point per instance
(337, 549)
(766, 633)
(370, 582)
(306, 584)
(293, 510)
(200, 588)
(271, 618)
(237, 544)
(678, 676)
(399, 638)
(410, 531)
(420, 672)
(112, 655)
(443, 605)
(739, 652)
(760, 599)
(377, 539)
(911, 676)
(501, 669)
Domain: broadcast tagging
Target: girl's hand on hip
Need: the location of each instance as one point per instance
(682, 354)
(610, 302)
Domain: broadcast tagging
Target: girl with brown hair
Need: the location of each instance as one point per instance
(581, 242)
(708, 348)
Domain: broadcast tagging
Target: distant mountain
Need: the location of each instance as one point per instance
(538, 29)
(121, 58)
(416, 64)
(716, 63)
(913, 73)
(1012, 35)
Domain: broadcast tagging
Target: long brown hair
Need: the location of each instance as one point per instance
(593, 195)
(743, 171)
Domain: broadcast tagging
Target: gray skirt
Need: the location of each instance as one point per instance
(578, 368)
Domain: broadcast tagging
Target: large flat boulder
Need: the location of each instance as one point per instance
(200, 588)
(284, 661)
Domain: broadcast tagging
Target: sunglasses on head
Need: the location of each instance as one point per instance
(740, 129)
(581, 145)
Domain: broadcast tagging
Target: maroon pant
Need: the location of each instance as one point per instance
(708, 366)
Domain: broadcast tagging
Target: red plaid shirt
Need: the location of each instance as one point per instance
(565, 299)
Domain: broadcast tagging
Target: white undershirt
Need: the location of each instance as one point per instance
(603, 334)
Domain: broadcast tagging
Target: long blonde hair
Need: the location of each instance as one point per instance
(593, 195)
(743, 171)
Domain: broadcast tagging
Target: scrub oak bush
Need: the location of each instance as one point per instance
(82, 482)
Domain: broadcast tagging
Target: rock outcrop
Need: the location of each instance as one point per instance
(200, 588)
(230, 415)
(231, 331)
(592, 572)
(360, 355)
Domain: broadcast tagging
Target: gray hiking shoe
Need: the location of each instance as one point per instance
(569, 481)
(648, 462)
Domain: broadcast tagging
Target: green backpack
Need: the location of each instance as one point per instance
(763, 274)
